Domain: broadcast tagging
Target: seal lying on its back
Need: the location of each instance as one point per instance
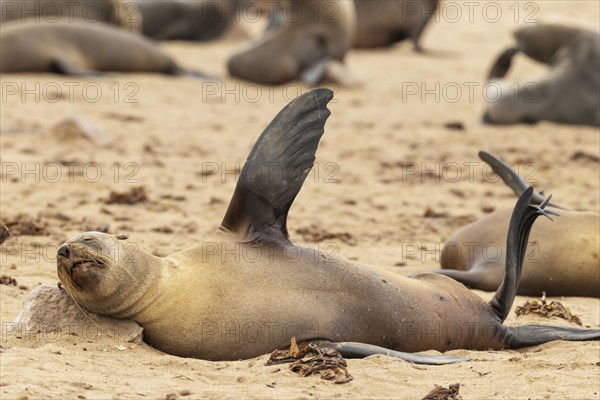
(308, 45)
(569, 93)
(247, 289)
(119, 12)
(382, 23)
(564, 260)
(184, 20)
(79, 48)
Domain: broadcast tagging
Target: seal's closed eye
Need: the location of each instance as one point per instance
(88, 239)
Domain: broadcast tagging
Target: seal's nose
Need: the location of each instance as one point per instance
(64, 251)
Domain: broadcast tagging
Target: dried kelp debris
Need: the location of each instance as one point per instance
(312, 358)
(548, 310)
(442, 393)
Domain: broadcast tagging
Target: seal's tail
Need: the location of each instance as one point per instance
(511, 178)
(519, 228)
(531, 335)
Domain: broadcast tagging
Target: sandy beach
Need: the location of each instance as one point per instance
(181, 140)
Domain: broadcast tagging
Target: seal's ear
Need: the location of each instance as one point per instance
(121, 237)
(276, 169)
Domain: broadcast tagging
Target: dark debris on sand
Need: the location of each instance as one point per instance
(4, 233)
(316, 235)
(547, 310)
(23, 224)
(442, 393)
(134, 196)
(312, 358)
(7, 280)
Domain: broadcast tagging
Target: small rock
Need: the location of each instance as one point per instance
(76, 128)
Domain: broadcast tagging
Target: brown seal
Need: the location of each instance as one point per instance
(307, 40)
(199, 20)
(569, 93)
(247, 289)
(381, 23)
(80, 48)
(563, 260)
(119, 12)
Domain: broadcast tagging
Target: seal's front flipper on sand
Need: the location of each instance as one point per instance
(67, 67)
(330, 71)
(276, 169)
(511, 178)
(361, 350)
(502, 64)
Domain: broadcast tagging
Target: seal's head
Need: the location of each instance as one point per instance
(98, 270)
(542, 42)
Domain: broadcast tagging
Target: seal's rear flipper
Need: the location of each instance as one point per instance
(531, 335)
(502, 64)
(360, 350)
(276, 169)
(519, 228)
(511, 178)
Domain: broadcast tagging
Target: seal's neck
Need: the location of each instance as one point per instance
(150, 274)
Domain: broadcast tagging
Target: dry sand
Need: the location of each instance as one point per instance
(359, 192)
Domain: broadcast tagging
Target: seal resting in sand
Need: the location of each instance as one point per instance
(119, 12)
(381, 23)
(563, 262)
(247, 289)
(569, 93)
(199, 20)
(80, 48)
(309, 45)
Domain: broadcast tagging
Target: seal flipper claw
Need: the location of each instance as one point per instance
(361, 350)
(276, 169)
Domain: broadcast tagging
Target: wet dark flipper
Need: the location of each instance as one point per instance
(276, 169)
(361, 350)
(502, 64)
(511, 178)
(531, 335)
(521, 221)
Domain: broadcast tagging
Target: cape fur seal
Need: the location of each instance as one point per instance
(80, 48)
(563, 262)
(306, 40)
(569, 93)
(382, 23)
(247, 289)
(118, 12)
(185, 20)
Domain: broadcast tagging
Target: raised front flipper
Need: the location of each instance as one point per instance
(276, 169)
